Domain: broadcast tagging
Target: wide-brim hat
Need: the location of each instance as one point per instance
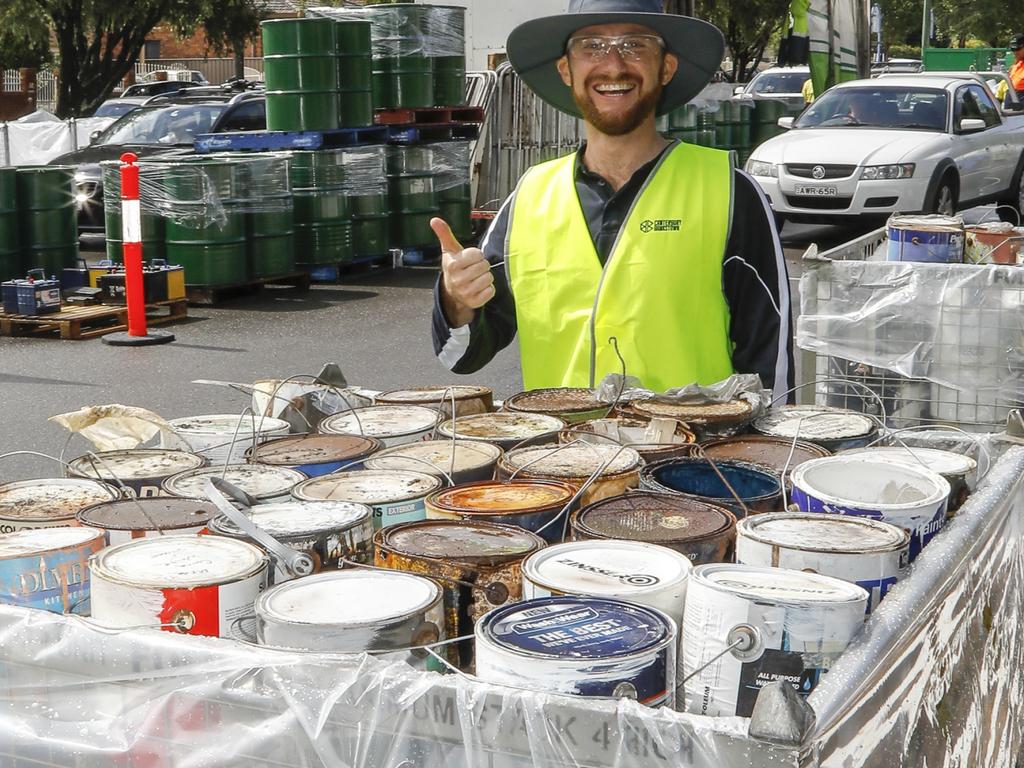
(534, 47)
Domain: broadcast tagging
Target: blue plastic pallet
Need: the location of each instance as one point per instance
(416, 134)
(270, 141)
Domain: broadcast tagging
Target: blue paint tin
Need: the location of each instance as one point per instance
(936, 239)
(316, 455)
(755, 485)
(583, 646)
(48, 568)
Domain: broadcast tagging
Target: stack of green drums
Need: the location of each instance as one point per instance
(368, 197)
(152, 224)
(681, 123)
(355, 73)
(49, 218)
(269, 218)
(766, 119)
(10, 253)
(446, 45)
(706, 134)
(403, 72)
(413, 196)
(301, 70)
(732, 130)
(323, 217)
(454, 193)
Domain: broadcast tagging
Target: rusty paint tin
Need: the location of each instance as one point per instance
(196, 585)
(129, 519)
(834, 429)
(469, 399)
(26, 504)
(631, 432)
(759, 490)
(328, 531)
(391, 424)
(474, 460)
(571, 404)
(574, 464)
(771, 452)
(707, 418)
(528, 504)
(261, 481)
(396, 496)
(315, 455)
(504, 429)
(704, 532)
(485, 555)
(140, 470)
(48, 568)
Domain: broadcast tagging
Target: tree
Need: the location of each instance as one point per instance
(748, 27)
(24, 36)
(235, 24)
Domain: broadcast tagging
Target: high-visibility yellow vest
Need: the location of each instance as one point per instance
(660, 291)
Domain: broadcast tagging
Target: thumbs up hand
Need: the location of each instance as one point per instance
(467, 283)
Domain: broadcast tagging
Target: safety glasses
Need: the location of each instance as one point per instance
(629, 47)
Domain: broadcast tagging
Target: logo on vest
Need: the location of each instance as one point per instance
(660, 225)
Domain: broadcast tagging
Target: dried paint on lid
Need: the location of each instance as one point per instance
(698, 412)
(607, 568)
(946, 463)
(481, 543)
(51, 499)
(777, 585)
(573, 461)
(300, 517)
(813, 422)
(259, 480)
(824, 533)
(492, 496)
(314, 449)
(382, 421)
(149, 514)
(39, 541)
(774, 452)
(175, 562)
(136, 464)
(433, 395)
(368, 486)
(557, 400)
(227, 423)
(502, 426)
(654, 517)
(349, 598)
(435, 455)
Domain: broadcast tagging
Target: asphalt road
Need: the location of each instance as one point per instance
(376, 327)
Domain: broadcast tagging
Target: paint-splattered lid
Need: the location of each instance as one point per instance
(658, 518)
(468, 542)
(382, 421)
(824, 533)
(777, 585)
(41, 540)
(51, 499)
(259, 480)
(136, 464)
(314, 449)
(176, 562)
(572, 460)
(368, 486)
(606, 568)
(435, 456)
(502, 426)
(491, 496)
(299, 517)
(814, 422)
(557, 400)
(149, 514)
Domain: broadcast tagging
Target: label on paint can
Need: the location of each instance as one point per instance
(397, 496)
(262, 481)
(47, 568)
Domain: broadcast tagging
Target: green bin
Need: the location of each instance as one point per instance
(10, 253)
(48, 217)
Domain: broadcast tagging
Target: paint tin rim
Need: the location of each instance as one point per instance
(361, 514)
(578, 519)
(85, 536)
(324, 455)
(967, 465)
(81, 465)
(842, 592)
(384, 539)
(635, 463)
(488, 454)
(244, 424)
(353, 478)
(941, 486)
(439, 499)
(170, 484)
(752, 528)
(553, 424)
(782, 415)
(84, 513)
(327, 426)
(67, 482)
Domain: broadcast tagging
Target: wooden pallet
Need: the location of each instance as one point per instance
(427, 115)
(88, 322)
(214, 294)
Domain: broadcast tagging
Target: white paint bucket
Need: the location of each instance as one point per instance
(26, 504)
(391, 424)
(397, 496)
(961, 471)
(584, 646)
(48, 568)
(912, 498)
(474, 461)
(505, 429)
(468, 399)
(197, 585)
(223, 438)
(865, 552)
(263, 482)
(792, 626)
(139, 470)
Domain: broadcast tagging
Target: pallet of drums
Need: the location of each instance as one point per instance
(683, 555)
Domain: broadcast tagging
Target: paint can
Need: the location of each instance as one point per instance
(913, 498)
(327, 531)
(868, 553)
(26, 504)
(931, 238)
(574, 464)
(478, 565)
(757, 488)
(391, 424)
(222, 438)
(790, 626)
(994, 242)
(582, 646)
(263, 482)
(705, 533)
(396, 496)
(353, 611)
(635, 433)
(140, 470)
(469, 399)
(129, 519)
(528, 504)
(775, 453)
(571, 404)
(708, 419)
(834, 429)
(315, 455)
(474, 460)
(48, 568)
(505, 429)
(303, 404)
(196, 585)
(961, 472)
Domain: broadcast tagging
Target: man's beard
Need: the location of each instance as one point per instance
(620, 123)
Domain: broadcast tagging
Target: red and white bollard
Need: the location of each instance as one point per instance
(134, 290)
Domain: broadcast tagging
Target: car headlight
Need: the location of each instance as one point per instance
(876, 172)
(759, 168)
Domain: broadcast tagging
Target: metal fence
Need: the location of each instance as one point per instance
(214, 70)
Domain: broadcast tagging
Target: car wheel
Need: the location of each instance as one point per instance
(944, 197)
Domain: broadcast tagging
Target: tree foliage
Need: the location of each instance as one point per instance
(748, 27)
(234, 24)
(24, 35)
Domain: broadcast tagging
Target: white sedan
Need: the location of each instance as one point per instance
(908, 145)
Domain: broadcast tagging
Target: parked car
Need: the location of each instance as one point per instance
(134, 96)
(897, 66)
(990, 79)
(775, 83)
(166, 125)
(901, 144)
(175, 75)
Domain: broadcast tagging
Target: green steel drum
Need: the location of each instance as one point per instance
(412, 193)
(726, 124)
(323, 217)
(269, 219)
(742, 131)
(454, 192)
(403, 73)
(10, 253)
(355, 73)
(766, 119)
(368, 196)
(49, 218)
(446, 44)
(301, 72)
(153, 231)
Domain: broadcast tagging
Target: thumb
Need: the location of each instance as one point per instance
(445, 237)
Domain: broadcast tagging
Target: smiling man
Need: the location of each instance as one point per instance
(661, 245)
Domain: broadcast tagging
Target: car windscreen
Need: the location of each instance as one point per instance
(163, 125)
(913, 108)
(114, 109)
(778, 82)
